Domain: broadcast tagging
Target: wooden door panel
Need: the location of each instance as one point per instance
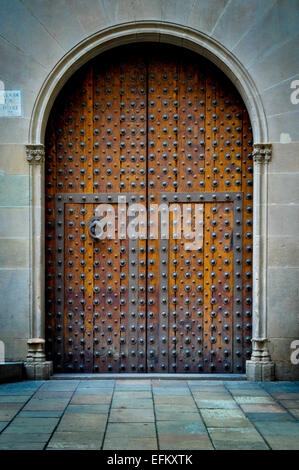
(186, 274)
(205, 285)
(98, 296)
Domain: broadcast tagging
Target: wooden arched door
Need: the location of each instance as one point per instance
(154, 124)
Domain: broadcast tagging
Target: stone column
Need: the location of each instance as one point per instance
(260, 367)
(37, 368)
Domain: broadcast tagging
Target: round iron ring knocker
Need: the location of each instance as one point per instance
(95, 230)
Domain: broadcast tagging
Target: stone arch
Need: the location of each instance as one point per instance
(141, 32)
(169, 33)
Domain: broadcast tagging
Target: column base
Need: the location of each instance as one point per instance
(260, 371)
(38, 370)
(36, 350)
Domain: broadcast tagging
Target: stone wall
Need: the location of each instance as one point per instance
(262, 35)
(283, 248)
(14, 249)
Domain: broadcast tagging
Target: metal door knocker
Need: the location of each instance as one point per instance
(95, 228)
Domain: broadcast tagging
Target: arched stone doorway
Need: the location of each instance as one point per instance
(260, 367)
(155, 123)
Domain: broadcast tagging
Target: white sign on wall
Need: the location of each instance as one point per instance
(10, 103)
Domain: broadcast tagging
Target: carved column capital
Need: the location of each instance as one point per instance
(262, 153)
(35, 154)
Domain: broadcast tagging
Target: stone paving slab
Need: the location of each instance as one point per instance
(283, 442)
(149, 414)
(121, 443)
(181, 408)
(129, 415)
(241, 392)
(132, 395)
(133, 387)
(262, 408)
(207, 388)
(93, 391)
(13, 398)
(287, 428)
(19, 445)
(242, 384)
(127, 402)
(52, 394)
(92, 409)
(180, 391)
(255, 400)
(131, 436)
(6, 437)
(46, 404)
(227, 404)
(9, 410)
(269, 417)
(63, 386)
(82, 422)
(183, 435)
(185, 401)
(75, 441)
(17, 388)
(181, 427)
(16, 392)
(131, 382)
(169, 383)
(286, 396)
(185, 442)
(167, 413)
(212, 395)
(295, 412)
(290, 403)
(31, 425)
(130, 430)
(92, 399)
(281, 387)
(95, 383)
(237, 439)
(3, 424)
(26, 441)
(41, 413)
(209, 383)
(225, 418)
(280, 436)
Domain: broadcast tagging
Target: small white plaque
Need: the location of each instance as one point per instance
(10, 103)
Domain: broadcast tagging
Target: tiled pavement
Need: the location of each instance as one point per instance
(149, 414)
